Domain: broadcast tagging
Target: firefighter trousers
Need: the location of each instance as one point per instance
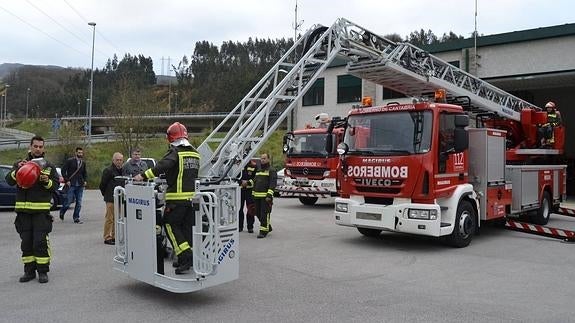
(263, 212)
(33, 229)
(248, 201)
(178, 221)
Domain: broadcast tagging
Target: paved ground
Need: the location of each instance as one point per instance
(307, 270)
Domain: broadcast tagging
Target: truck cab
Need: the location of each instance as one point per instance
(311, 163)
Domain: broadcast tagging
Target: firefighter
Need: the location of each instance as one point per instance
(36, 181)
(181, 166)
(264, 184)
(553, 120)
(247, 199)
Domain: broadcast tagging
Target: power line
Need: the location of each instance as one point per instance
(98, 32)
(76, 11)
(40, 30)
(56, 22)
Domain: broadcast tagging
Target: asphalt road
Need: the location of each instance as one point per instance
(307, 270)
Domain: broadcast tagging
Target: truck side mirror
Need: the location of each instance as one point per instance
(329, 143)
(461, 121)
(342, 148)
(286, 139)
(461, 139)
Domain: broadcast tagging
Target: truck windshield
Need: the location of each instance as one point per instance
(308, 145)
(391, 133)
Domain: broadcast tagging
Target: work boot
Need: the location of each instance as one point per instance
(262, 235)
(28, 276)
(42, 278)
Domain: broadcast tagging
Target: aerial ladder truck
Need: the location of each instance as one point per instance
(420, 169)
(231, 145)
(311, 166)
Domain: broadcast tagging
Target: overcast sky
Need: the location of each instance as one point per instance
(56, 32)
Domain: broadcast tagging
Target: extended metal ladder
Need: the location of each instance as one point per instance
(399, 66)
(412, 71)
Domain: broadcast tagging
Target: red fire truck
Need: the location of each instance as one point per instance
(310, 169)
(418, 168)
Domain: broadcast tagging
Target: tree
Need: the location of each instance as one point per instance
(422, 37)
(128, 104)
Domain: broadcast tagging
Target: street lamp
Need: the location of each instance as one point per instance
(2, 110)
(93, 24)
(5, 105)
(27, 100)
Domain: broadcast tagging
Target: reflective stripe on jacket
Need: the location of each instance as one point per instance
(35, 199)
(264, 183)
(181, 165)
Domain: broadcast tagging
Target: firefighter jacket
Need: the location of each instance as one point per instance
(181, 165)
(35, 199)
(248, 174)
(553, 119)
(264, 182)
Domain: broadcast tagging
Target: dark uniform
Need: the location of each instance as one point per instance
(553, 120)
(264, 184)
(181, 165)
(248, 174)
(33, 220)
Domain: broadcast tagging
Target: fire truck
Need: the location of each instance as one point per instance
(429, 197)
(421, 169)
(310, 166)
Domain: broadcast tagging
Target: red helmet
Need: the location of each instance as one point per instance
(27, 175)
(550, 104)
(176, 131)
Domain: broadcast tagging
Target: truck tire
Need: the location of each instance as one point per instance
(369, 232)
(542, 215)
(306, 200)
(465, 226)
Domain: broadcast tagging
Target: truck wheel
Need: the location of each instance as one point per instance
(308, 200)
(544, 211)
(369, 232)
(465, 224)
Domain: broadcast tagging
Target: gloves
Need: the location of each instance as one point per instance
(269, 200)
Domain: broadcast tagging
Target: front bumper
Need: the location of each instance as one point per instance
(387, 217)
(310, 188)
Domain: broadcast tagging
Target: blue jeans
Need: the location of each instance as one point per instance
(74, 192)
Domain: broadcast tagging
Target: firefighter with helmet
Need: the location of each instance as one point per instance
(263, 185)
(36, 180)
(553, 120)
(180, 165)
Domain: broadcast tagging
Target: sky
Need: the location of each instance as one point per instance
(56, 32)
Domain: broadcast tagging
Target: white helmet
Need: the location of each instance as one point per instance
(550, 104)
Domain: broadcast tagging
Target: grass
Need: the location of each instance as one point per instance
(99, 155)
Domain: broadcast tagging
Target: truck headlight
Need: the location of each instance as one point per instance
(422, 214)
(326, 173)
(341, 207)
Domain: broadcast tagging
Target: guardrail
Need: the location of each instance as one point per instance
(20, 143)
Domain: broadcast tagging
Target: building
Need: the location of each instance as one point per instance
(535, 65)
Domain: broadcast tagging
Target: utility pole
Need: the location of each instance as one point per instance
(27, 101)
(93, 24)
(5, 105)
(296, 26)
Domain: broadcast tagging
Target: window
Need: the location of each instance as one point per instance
(454, 63)
(446, 139)
(314, 96)
(348, 89)
(388, 94)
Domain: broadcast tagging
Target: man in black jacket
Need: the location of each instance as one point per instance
(75, 175)
(107, 185)
(33, 220)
